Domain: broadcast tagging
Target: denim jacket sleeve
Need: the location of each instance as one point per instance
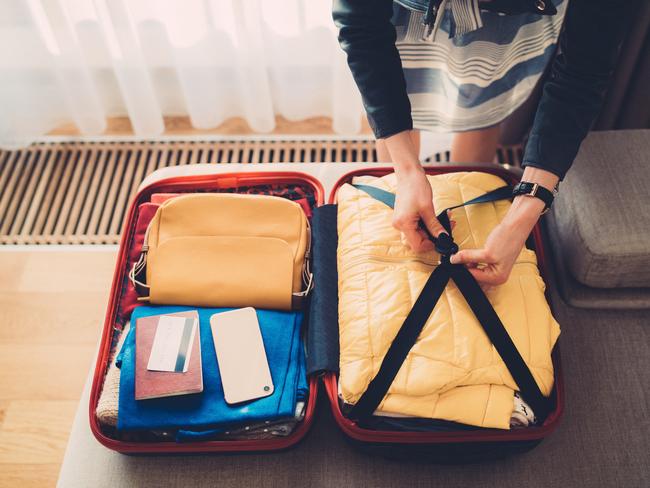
(367, 36)
(574, 94)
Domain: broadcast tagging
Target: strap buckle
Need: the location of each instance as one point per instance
(445, 245)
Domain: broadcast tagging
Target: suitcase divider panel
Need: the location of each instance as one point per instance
(323, 331)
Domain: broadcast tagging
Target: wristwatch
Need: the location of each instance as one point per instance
(535, 190)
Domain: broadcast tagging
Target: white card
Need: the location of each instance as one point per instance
(172, 344)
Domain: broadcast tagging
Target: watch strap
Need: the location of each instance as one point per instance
(534, 190)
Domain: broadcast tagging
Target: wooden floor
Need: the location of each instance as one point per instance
(52, 305)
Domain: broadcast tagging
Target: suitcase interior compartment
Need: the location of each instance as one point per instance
(232, 182)
(449, 446)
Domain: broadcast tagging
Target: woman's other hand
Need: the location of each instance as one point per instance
(492, 264)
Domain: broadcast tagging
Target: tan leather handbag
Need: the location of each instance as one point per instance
(226, 250)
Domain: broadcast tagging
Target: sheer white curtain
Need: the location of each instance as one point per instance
(84, 60)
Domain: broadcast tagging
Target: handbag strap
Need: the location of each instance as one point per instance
(426, 302)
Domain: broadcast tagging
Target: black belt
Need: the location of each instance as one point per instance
(424, 305)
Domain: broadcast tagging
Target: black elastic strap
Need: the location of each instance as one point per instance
(402, 344)
(501, 193)
(498, 335)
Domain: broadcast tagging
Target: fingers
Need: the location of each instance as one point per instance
(427, 244)
(412, 238)
(417, 240)
(452, 223)
(488, 275)
(471, 256)
(420, 242)
(491, 274)
(428, 216)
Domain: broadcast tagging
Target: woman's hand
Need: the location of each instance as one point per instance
(492, 264)
(414, 202)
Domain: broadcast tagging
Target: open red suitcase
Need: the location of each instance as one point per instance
(450, 446)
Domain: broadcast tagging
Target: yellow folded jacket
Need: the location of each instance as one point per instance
(453, 372)
(227, 250)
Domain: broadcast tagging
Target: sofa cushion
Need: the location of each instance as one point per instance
(583, 296)
(602, 212)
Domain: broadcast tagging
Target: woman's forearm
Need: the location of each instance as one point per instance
(403, 153)
(525, 211)
(506, 240)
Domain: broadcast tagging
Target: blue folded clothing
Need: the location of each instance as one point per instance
(208, 410)
(302, 393)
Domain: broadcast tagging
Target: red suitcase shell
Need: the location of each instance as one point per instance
(433, 446)
(461, 445)
(179, 184)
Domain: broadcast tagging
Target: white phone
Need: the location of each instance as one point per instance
(243, 365)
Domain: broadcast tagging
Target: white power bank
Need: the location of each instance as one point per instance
(243, 365)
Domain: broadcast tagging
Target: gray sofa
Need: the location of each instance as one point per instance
(599, 227)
